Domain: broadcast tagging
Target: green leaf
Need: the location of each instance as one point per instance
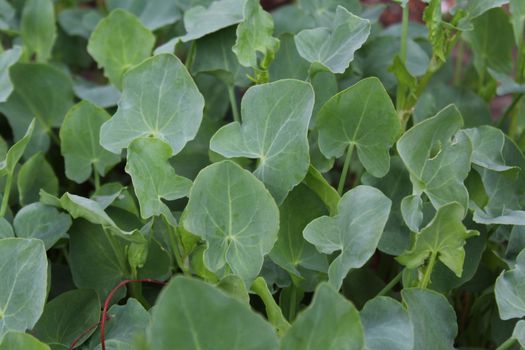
(444, 238)
(154, 14)
(191, 314)
(60, 323)
(6, 231)
(274, 130)
(7, 59)
(433, 319)
(355, 230)
(473, 108)
(438, 158)
(412, 211)
(23, 267)
(41, 92)
(236, 215)
(159, 99)
(487, 148)
(386, 325)
(38, 220)
(29, 185)
(118, 43)
(315, 181)
(80, 145)
(288, 64)
(16, 340)
(372, 125)
(323, 12)
(510, 290)
(519, 332)
(329, 322)
(97, 260)
(79, 21)
(214, 55)
(102, 95)
(200, 21)
(254, 36)
(127, 322)
(491, 48)
(13, 155)
(517, 11)
(291, 250)
(334, 47)
(38, 29)
(154, 180)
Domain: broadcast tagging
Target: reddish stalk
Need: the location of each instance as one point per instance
(87, 331)
(108, 300)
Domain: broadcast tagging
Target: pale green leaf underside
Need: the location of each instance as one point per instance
(355, 230)
(159, 99)
(362, 116)
(334, 47)
(274, 130)
(7, 59)
(153, 177)
(191, 314)
(236, 216)
(23, 267)
(510, 290)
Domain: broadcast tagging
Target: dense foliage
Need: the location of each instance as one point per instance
(198, 174)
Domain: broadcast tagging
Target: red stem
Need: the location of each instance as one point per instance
(108, 300)
(77, 339)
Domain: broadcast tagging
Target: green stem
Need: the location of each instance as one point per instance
(135, 290)
(96, 178)
(508, 112)
(391, 284)
(190, 57)
(176, 247)
(273, 311)
(459, 63)
(428, 271)
(293, 301)
(401, 89)
(5, 196)
(507, 344)
(233, 103)
(346, 167)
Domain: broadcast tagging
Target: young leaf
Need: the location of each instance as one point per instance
(200, 21)
(13, 155)
(315, 181)
(159, 99)
(444, 238)
(60, 323)
(80, 145)
(7, 59)
(23, 267)
(41, 92)
(118, 43)
(38, 29)
(191, 314)
(330, 322)
(38, 220)
(17, 340)
(333, 48)
(154, 14)
(291, 250)
(510, 291)
(30, 185)
(79, 21)
(254, 35)
(153, 177)
(387, 325)
(274, 130)
(433, 319)
(438, 158)
(355, 230)
(236, 215)
(363, 116)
